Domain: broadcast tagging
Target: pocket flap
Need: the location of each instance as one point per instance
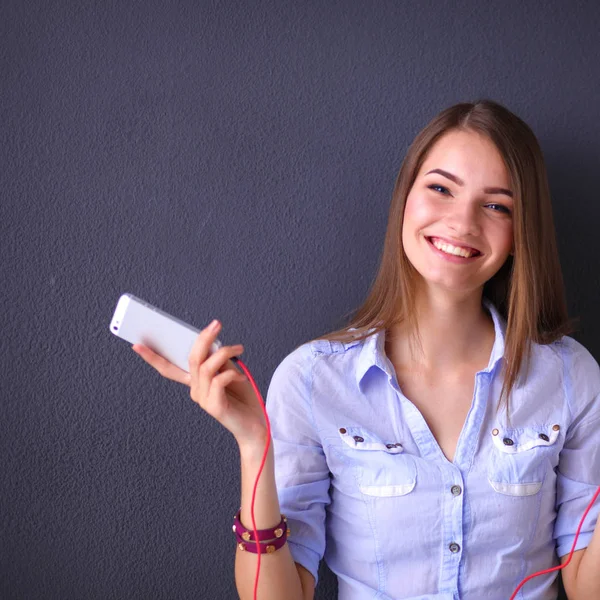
(359, 438)
(516, 489)
(513, 441)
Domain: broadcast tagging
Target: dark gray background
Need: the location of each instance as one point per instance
(230, 160)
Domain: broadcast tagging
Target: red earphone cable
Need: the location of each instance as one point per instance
(260, 469)
(558, 567)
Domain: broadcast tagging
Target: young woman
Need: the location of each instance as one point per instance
(446, 443)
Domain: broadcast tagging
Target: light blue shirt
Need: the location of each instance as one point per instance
(365, 484)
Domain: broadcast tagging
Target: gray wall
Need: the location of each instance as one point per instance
(230, 160)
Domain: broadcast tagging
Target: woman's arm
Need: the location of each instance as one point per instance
(577, 475)
(280, 577)
(226, 395)
(581, 577)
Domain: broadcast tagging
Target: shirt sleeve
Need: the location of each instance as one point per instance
(578, 475)
(301, 471)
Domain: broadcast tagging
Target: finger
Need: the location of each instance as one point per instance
(222, 380)
(162, 365)
(214, 404)
(242, 385)
(202, 381)
(221, 360)
(201, 347)
(199, 352)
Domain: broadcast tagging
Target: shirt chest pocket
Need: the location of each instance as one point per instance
(520, 459)
(381, 467)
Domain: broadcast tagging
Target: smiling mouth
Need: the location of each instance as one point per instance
(453, 250)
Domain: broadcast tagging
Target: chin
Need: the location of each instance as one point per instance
(452, 285)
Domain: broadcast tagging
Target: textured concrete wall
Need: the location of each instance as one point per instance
(232, 160)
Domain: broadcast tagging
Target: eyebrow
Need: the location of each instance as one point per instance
(459, 181)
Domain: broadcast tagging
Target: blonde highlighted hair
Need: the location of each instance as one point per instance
(528, 290)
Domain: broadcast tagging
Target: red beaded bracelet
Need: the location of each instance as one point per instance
(269, 539)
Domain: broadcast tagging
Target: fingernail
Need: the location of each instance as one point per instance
(214, 324)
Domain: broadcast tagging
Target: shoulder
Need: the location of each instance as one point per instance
(299, 365)
(579, 363)
(575, 358)
(581, 376)
(319, 350)
(311, 376)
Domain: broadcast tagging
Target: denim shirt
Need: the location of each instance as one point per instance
(364, 483)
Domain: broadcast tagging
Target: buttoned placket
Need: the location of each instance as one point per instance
(459, 468)
(452, 472)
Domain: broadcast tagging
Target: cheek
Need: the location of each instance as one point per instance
(504, 236)
(418, 214)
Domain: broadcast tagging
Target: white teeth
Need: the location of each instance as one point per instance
(449, 249)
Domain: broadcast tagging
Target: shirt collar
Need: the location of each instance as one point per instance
(372, 353)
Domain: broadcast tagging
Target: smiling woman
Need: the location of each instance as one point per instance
(467, 174)
(443, 444)
(459, 224)
(431, 448)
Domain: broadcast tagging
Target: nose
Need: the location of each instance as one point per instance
(463, 218)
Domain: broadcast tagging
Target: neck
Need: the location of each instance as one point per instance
(454, 332)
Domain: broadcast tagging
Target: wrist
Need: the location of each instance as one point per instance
(252, 451)
(269, 540)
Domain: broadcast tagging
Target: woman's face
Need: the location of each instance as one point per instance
(458, 225)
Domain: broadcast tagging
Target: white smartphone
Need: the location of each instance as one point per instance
(138, 322)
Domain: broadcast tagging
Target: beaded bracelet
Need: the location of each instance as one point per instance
(269, 540)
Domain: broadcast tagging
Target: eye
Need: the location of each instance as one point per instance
(500, 208)
(437, 188)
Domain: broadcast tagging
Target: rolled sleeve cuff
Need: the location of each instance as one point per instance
(308, 558)
(304, 507)
(573, 500)
(565, 542)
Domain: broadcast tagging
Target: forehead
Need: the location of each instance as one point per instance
(470, 156)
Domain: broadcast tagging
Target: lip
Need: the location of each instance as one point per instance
(451, 257)
(453, 243)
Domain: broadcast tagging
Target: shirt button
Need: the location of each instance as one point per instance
(454, 547)
(507, 442)
(357, 438)
(556, 427)
(342, 430)
(456, 490)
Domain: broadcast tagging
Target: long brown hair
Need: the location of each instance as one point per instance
(528, 290)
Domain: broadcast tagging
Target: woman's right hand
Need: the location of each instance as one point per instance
(217, 386)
